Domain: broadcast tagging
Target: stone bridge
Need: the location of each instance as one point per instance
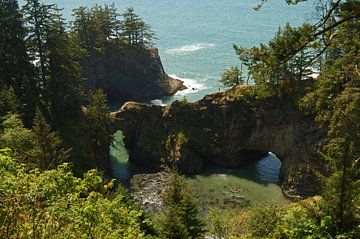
(227, 131)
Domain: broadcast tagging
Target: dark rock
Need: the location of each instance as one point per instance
(227, 130)
(129, 75)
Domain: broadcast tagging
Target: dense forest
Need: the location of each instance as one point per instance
(55, 137)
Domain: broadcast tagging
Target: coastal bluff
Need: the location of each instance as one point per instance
(227, 129)
(128, 74)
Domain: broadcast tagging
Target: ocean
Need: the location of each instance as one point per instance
(195, 38)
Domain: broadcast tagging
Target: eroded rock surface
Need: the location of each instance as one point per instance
(129, 75)
(226, 129)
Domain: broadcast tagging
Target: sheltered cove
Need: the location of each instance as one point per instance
(225, 129)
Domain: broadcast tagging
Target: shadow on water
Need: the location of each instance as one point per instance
(123, 171)
(238, 188)
(216, 187)
(263, 171)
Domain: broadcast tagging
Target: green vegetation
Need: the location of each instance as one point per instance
(49, 129)
(180, 218)
(284, 69)
(55, 204)
(135, 32)
(270, 220)
(232, 77)
(98, 125)
(98, 28)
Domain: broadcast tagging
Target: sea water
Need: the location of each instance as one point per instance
(195, 37)
(195, 40)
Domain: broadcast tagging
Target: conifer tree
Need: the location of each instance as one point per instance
(135, 31)
(96, 28)
(342, 187)
(47, 152)
(98, 124)
(39, 17)
(64, 89)
(81, 27)
(59, 78)
(232, 77)
(16, 70)
(180, 218)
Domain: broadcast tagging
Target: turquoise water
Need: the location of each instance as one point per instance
(216, 187)
(195, 41)
(195, 38)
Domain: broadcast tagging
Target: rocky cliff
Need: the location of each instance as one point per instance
(226, 129)
(128, 75)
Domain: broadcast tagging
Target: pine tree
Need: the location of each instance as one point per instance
(97, 28)
(47, 152)
(98, 125)
(39, 17)
(135, 31)
(59, 77)
(16, 70)
(63, 92)
(342, 187)
(232, 77)
(81, 27)
(180, 218)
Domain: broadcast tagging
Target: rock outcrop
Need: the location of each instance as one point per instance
(129, 75)
(226, 129)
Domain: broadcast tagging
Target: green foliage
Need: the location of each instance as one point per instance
(180, 218)
(334, 102)
(16, 71)
(220, 223)
(55, 204)
(279, 67)
(8, 101)
(260, 220)
(342, 153)
(16, 137)
(135, 31)
(96, 28)
(98, 125)
(63, 90)
(298, 222)
(47, 152)
(232, 77)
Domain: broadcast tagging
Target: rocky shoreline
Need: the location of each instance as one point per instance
(147, 189)
(222, 129)
(131, 75)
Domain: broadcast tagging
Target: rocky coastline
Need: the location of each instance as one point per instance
(224, 129)
(131, 75)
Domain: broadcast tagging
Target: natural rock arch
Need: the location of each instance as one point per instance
(223, 130)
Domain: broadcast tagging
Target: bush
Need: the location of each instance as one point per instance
(55, 204)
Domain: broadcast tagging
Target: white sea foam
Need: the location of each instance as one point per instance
(158, 102)
(190, 48)
(193, 86)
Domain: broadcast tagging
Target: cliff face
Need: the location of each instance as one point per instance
(226, 129)
(134, 74)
